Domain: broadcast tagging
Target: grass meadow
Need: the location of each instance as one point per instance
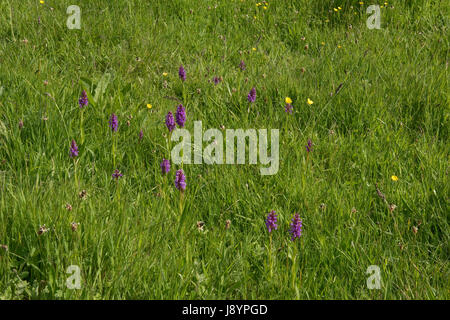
(373, 191)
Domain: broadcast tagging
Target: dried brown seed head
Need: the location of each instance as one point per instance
(380, 194)
(42, 229)
(74, 226)
(200, 225)
(83, 194)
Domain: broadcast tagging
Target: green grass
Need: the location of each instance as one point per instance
(389, 118)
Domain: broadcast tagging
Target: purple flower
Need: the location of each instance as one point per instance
(170, 122)
(288, 108)
(271, 221)
(165, 166)
(180, 180)
(83, 100)
(113, 123)
(141, 135)
(217, 80)
(116, 174)
(252, 95)
(20, 124)
(182, 73)
(296, 227)
(242, 65)
(309, 146)
(180, 116)
(73, 149)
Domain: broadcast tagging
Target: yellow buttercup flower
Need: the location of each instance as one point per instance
(394, 178)
(335, 9)
(42, 1)
(149, 106)
(339, 8)
(165, 74)
(323, 43)
(309, 101)
(361, 3)
(254, 49)
(288, 100)
(339, 46)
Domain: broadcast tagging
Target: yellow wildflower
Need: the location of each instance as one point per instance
(288, 100)
(394, 178)
(149, 106)
(309, 101)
